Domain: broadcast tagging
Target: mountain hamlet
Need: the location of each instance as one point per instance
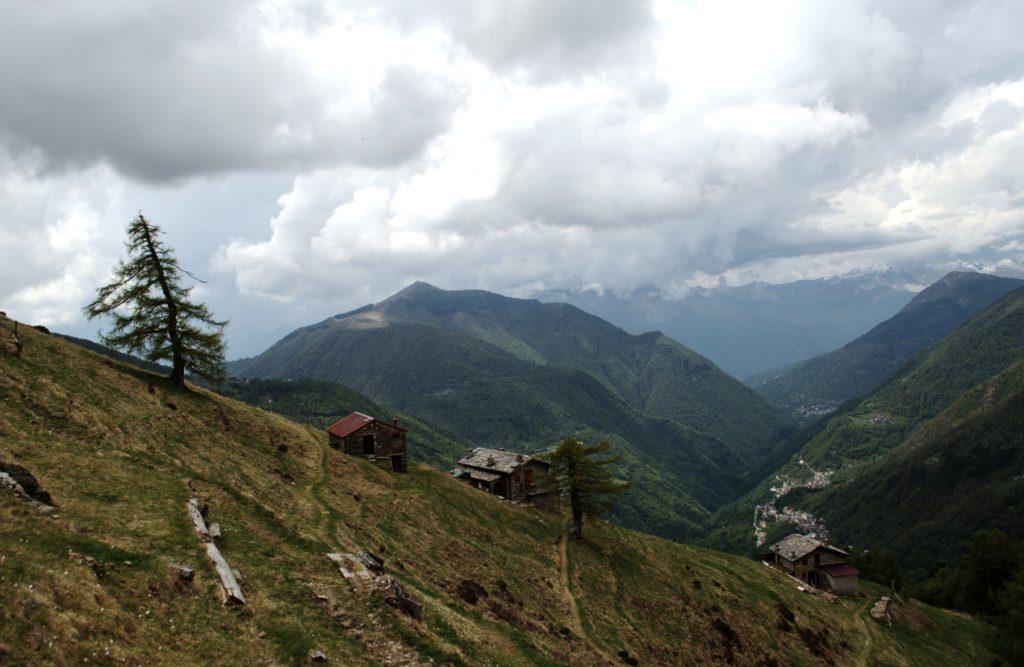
(379, 488)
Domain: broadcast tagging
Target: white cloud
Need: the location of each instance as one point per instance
(53, 240)
(519, 143)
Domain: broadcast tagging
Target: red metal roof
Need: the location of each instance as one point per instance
(841, 570)
(353, 423)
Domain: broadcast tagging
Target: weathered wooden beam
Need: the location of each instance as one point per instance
(229, 584)
(197, 518)
(228, 581)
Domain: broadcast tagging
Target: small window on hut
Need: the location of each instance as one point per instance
(368, 444)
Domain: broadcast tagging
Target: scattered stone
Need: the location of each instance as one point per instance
(182, 574)
(8, 482)
(356, 569)
(29, 484)
(317, 656)
(880, 610)
(96, 566)
(214, 531)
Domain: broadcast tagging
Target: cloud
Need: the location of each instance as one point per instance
(517, 144)
(548, 41)
(179, 89)
(54, 248)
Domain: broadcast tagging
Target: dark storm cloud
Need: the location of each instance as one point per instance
(508, 144)
(163, 90)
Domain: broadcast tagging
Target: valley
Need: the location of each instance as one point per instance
(120, 452)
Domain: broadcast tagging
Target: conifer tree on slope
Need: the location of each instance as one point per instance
(583, 479)
(152, 314)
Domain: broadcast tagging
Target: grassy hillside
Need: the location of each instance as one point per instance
(867, 362)
(925, 461)
(121, 452)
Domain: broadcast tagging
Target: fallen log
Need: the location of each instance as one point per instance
(229, 585)
(228, 581)
(197, 518)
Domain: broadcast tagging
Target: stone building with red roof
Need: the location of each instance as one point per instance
(375, 439)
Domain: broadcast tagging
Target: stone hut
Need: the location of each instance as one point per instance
(817, 563)
(375, 439)
(507, 474)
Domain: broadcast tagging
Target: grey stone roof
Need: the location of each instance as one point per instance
(797, 546)
(494, 460)
(483, 476)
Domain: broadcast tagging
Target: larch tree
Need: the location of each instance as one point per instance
(581, 474)
(153, 315)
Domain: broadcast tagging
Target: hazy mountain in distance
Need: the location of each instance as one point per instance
(821, 383)
(755, 327)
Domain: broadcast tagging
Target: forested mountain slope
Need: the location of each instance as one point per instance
(816, 385)
(522, 375)
(120, 453)
(926, 460)
(650, 372)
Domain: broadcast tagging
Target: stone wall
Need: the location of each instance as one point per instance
(388, 442)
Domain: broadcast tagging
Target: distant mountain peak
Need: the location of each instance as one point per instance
(964, 287)
(418, 287)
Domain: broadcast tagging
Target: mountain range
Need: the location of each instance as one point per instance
(818, 385)
(523, 374)
(753, 328)
(758, 327)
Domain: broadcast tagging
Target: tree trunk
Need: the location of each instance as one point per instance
(178, 371)
(178, 366)
(577, 515)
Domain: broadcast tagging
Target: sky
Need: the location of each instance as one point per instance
(305, 158)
